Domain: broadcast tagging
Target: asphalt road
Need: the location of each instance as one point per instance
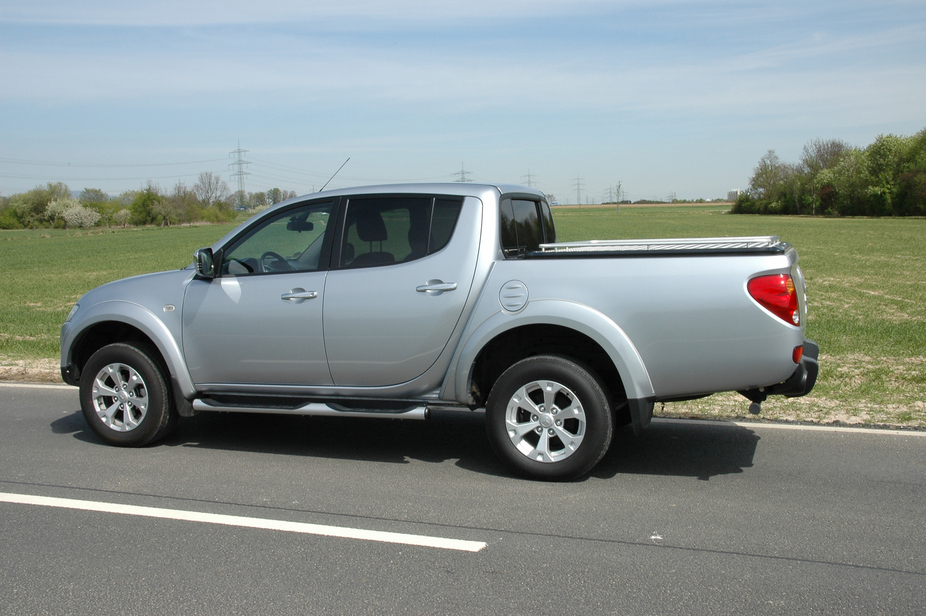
(243, 514)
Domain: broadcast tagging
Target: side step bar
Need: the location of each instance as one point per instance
(318, 409)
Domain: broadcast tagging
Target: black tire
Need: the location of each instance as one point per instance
(549, 418)
(124, 396)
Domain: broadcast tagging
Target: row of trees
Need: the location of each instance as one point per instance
(53, 205)
(887, 178)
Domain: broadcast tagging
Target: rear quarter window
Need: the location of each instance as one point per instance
(525, 225)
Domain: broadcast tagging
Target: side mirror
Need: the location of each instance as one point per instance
(205, 265)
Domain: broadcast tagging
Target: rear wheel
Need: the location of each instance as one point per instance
(549, 418)
(124, 396)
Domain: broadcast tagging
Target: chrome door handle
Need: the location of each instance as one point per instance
(297, 296)
(436, 287)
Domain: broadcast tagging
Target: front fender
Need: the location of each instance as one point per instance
(571, 315)
(141, 319)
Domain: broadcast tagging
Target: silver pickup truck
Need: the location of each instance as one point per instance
(390, 301)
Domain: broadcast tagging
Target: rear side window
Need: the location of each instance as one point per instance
(386, 230)
(525, 225)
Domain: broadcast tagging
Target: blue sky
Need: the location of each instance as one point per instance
(666, 97)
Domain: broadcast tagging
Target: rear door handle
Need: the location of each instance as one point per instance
(436, 287)
(297, 296)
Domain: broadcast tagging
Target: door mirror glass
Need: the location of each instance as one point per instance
(205, 265)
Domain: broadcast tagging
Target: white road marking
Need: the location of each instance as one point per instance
(246, 522)
(37, 385)
(786, 426)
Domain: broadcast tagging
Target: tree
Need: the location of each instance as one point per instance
(122, 217)
(80, 217)
(257, 200)
(845, 186)
(910, 195)
(820, 154)
(791, 189)
(767, 177)
(90, 196)
(184, 203)
(884, 158)
(817, 156)
(30, 206)
(910, 187)
(144, 205)
(57, 208)
(211, 189)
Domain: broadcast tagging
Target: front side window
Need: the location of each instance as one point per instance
(387, 230)
(289, 241)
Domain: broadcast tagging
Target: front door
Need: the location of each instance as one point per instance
(260, 321)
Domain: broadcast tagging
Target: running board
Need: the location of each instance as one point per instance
(317, 409)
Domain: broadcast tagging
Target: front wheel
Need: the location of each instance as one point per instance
(549, 418)
(124, 396)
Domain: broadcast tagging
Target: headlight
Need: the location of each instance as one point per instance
(72, 312)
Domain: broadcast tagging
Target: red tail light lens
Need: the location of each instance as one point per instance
(778, 295)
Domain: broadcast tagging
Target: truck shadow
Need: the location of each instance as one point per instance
(699, 449)
(685, 448)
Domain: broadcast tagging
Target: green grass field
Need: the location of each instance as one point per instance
(866, 286)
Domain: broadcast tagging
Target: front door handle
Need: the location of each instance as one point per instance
(297, 296)
(436, 287)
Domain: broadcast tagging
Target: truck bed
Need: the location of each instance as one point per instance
(651, 247)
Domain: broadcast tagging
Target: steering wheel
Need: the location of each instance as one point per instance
(272, 262)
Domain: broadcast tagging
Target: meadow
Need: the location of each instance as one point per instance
(866, 286)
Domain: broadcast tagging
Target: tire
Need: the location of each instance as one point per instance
(124, 396)
(549, 418)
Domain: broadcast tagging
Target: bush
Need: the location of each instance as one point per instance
(910, 197)
(8, 220)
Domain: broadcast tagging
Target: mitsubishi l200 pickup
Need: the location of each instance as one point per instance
(390, 301)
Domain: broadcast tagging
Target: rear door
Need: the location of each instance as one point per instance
(402, 270)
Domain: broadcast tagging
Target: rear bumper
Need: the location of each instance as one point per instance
(804, 378)
(799, 384)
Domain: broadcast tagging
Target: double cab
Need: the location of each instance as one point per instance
(391, 301)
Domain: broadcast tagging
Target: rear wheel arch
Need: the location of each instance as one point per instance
(526, 341)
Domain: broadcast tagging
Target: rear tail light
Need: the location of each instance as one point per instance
(777, 294)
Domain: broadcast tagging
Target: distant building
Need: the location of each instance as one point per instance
(734, 194)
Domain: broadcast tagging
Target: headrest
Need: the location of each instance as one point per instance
(370, 227)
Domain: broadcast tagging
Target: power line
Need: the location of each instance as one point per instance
(45, 178)
(577, 184)
(240, 172)
(463, 173)
(95, 166)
